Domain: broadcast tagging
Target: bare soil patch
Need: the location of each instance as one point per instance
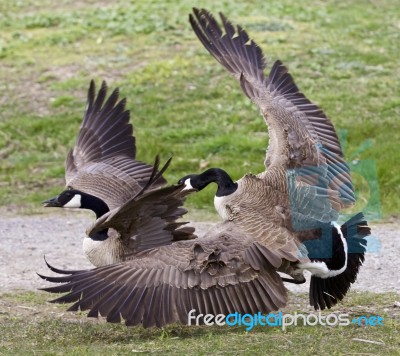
(25, 240)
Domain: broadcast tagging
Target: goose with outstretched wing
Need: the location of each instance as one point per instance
(298, 198)
(103, 175)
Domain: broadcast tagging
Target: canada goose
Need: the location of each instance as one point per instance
(234, 267)
(297, 199)
(102, 174)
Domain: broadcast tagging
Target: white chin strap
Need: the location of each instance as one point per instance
(188, 186)
(75, 202)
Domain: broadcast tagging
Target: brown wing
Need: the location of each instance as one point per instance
(221, 273)
(302, 139)
(103, 159)
(149, 218)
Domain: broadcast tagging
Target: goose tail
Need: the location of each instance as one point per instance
(328, 291)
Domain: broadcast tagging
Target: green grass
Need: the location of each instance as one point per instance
(30, 326)
(343, 55)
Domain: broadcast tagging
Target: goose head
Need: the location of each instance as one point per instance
(77, 199)
(226, 185)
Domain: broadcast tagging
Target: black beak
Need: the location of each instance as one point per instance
(52, 202)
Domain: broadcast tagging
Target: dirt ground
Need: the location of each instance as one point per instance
(25, 240)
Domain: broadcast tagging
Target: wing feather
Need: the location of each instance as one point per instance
(106, 138)
(148, 219)
(301, 136)
(160, 286)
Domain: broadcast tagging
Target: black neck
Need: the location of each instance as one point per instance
(225, 183)
(95, 204)
(100, 208)
(100, 235)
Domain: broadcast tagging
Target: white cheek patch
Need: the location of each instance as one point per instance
(188, 186)
(75, 202)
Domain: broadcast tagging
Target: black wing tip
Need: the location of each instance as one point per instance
(92, 86)
(201, 11)
(58, 270)
(50, 266)
(102, 93)
(104, 86)
(156, 175)
(198, 13)
(42, 276)
(165, 166)
(204, 12)
(91, 94)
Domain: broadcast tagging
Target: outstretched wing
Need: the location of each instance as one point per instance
(105, 151)
(149, 218)
(302, 139)
(221, 273)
